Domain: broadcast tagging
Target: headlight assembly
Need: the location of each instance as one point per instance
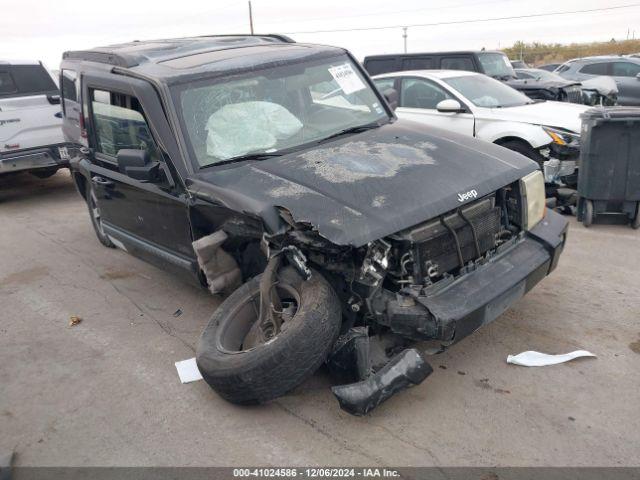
(563, 137)
(533, 196)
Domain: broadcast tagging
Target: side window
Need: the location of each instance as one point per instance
(68, 88)
(595, 69)
(417, 63)
(383, 84)
(457, 63)
(421, 93)
(625, 69)
(7, 85)
(522, 75)
(386, 65)
(119, 123)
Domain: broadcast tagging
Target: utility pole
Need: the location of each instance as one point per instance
(404, 36)
(250, 18)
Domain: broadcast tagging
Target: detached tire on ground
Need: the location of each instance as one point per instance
(245, 370)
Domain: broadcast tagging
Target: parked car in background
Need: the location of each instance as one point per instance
(479, 106)
(624, 70)
(549, 67)
(492, 63)
(543, 85)
(277, 171)
(536, 83)
(30, 120)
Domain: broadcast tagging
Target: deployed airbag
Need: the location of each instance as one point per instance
(240, 128)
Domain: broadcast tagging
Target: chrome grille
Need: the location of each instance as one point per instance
(574, 94)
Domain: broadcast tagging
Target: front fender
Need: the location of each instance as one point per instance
(492, 131)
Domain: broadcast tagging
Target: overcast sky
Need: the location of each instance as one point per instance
(43, 29)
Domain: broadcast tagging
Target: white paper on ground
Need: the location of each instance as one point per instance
(188, 371)
(537, 359)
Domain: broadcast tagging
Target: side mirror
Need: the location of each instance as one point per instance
(449, 106)
(391, 96)
(53, 99)
(638, 76)
(136, 164)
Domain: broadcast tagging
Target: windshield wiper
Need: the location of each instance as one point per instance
(248, 156)
(347, 131)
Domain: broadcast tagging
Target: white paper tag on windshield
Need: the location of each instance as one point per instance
(347, 79)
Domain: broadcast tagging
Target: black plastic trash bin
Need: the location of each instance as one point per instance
(609, 172)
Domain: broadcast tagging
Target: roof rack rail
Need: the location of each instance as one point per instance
(278, 36)
(118, 55)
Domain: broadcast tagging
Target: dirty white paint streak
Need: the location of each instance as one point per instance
(350, 162)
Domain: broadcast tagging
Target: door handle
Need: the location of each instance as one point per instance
(102, 182)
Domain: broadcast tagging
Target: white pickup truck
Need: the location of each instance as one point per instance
(31, 136)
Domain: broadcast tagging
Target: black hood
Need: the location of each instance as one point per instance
(368, 185)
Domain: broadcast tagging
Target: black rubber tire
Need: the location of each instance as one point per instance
(587, 213)
(271, 369)
(525, 149)
(635, 223)
(95, 222)
(44, 173)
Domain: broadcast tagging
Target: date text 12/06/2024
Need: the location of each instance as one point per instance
(315, 473)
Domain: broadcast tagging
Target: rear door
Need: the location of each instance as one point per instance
(148, 219)
(418, 100)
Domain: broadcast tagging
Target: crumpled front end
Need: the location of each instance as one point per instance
(439, 280)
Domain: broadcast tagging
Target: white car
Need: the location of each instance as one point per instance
(477, 105)
(31, 137)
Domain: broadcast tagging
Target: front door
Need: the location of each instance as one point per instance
(147, 218)
(627, 77)
(419, 98)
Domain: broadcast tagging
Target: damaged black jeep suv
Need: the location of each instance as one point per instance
(276, 172)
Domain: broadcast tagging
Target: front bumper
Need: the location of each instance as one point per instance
(474, 299)
(35, 158)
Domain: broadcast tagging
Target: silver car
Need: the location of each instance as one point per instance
(624, 70)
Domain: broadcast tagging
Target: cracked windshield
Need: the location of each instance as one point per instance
(278, 109)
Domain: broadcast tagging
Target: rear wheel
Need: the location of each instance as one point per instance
(587, 214)
(96, 219)
(246, 363)
(635, 224)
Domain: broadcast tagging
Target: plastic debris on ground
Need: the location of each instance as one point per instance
(537, 359)
(406, 369)
(188, 371)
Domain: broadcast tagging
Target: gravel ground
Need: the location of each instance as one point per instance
(106, 392)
